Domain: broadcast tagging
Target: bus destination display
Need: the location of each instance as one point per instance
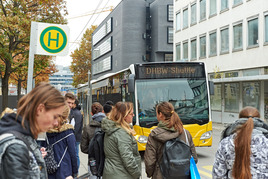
(170, 70)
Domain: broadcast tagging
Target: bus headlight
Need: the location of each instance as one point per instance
(206, 135)
(142, 139)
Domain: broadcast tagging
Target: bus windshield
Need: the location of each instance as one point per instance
(188, 96)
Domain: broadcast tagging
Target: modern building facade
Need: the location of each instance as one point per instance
(231, 37)
(62, 80)
(135, 31)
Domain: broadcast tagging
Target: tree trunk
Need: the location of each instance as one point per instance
(19, 90)
(5, 92)
(5, 86)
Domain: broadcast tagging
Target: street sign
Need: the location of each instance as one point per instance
(46, 39)
(52, 39)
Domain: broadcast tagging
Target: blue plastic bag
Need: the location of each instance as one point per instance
(193, 170)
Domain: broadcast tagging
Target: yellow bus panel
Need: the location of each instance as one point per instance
(196, 131)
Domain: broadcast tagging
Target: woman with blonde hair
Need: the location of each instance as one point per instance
(63, 144)
(243, 150)
(122, 159)
(169, 127)
(37, 112)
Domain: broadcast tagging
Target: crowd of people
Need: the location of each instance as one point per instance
(242, 152)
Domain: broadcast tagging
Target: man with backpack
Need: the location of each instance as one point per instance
(88, 133)
(168, 153)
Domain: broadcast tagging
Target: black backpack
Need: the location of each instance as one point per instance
(96, 153)
(175, 162)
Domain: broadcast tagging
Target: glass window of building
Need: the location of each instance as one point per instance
(185, 18)
(213, 7)
(202, 9)
(225, 40)
(213, 44)
(238, 37)
(103, 48)
(231, 97)
(251, 72)
(193, 49)
(224, 5)
(253, 35)
(103, 65)
(236, 2)
(266, 70)
(266, 28)
(178, 52)
(203, 47)
(231, 74)
(216, 98)
(170, 35)
(102, 31)
(251, 94)
(193, 14)
(170, 12)
(168, 57)
(178, 21)
(185, 51)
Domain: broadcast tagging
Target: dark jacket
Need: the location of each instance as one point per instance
(18, 162)
(122, 159)
(154, 148)
(76, 114)
(89, 130)
(68, 165)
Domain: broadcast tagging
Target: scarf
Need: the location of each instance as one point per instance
(260, 127)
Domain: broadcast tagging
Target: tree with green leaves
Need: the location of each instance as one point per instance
(15, 25)
(81, 63)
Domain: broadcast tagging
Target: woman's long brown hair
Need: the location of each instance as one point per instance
(241, 168)
(43, 93)
(171, 117)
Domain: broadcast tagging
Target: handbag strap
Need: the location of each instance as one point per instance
(63, 156)
(186, 137)
(187, 141)
(62, 138)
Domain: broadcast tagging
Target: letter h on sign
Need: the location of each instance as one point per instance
(57, 39)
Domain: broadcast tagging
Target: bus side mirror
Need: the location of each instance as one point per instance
(211, 87)
(131, 83)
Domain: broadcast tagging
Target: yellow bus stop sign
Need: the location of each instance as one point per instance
(46, 39)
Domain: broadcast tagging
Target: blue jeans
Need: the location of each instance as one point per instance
(77, 154)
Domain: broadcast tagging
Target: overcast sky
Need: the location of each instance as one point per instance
(77, 8)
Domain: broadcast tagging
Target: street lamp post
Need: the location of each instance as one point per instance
(89, 97)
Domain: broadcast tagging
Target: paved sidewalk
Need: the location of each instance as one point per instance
(218, 126)
(83, 163)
